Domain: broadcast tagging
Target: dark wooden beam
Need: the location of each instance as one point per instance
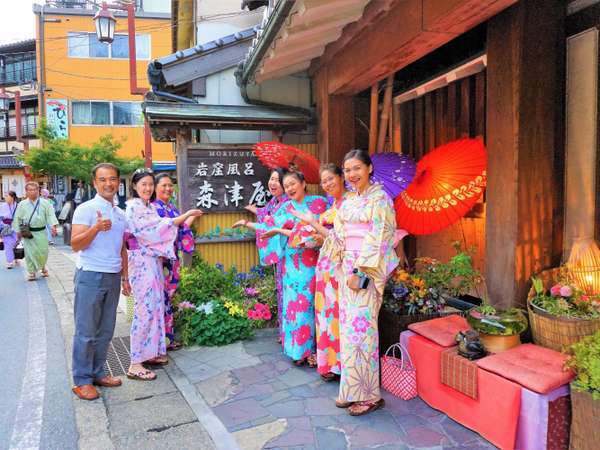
(335, 113)
(391, 35)
(525, 77)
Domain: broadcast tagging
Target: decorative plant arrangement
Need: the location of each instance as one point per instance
(425, 290)
(564, 299)
(218, 307)
(498, 330)
(585, 392)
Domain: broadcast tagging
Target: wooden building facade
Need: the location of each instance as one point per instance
(496, 69)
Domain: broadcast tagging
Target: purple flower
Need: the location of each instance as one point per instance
(251, 292)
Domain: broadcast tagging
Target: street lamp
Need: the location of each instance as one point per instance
(105, 24)
(105, 31)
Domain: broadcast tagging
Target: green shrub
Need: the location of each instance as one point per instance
(217, 327)
(585, 361)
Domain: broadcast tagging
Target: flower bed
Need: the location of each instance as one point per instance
(215, 306)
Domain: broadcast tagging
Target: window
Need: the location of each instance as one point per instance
(127, 113)
(106, 113)
(86, 45)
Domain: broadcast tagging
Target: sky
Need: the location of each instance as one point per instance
(17, 21)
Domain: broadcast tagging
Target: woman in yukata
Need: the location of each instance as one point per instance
(362, 241)
(7, 234)
(183, 243)
(286, 239)
(150, 239)
(265, 214)
(327, 278)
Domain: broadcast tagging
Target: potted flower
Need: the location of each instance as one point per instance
(498, 330)
(560, 313)
(422, 294)
(585, 392)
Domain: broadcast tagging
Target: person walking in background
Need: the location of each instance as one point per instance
(327, 278)
(184, 243)
(98, 235)
(7, 233)
(362, 241)
(265, 215)
(45, 194)
(31, 217)
(150, 238)
(80, 194)
(285, 239)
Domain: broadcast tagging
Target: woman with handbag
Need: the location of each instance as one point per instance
(31, 217)
(9, 237)
(362, 241)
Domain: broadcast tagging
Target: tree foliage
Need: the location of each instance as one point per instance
(62, 157)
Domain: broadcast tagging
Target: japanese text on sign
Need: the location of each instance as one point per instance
(226, 180)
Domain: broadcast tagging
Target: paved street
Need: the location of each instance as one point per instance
(35, 397)
(243, 396)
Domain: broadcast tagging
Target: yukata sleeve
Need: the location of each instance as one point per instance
(333, 246)
(50, 215)
(19, 217)
(185, 239)
(271, 250)
(152, 232)
(377, 253)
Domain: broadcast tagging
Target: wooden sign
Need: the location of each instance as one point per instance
(225, 180)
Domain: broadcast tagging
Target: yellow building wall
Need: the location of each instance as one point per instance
(242, 255)
(101, 78)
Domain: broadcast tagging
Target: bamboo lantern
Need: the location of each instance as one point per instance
(584, 265)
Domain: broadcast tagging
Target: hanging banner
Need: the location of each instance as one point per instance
(57, 117)
(226, 180)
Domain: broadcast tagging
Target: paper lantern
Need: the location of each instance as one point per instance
(584, 265)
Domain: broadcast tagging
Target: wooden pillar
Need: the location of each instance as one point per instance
(335, 115)
(525, 76)
(182, 141)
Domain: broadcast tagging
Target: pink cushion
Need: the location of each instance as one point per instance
(442, 330)
(537, 368)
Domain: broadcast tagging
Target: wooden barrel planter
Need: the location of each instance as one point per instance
(552, 331)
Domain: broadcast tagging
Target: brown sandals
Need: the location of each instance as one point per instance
(362, 408)
(142, 375)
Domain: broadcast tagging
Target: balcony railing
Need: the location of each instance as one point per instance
(17, 76)
(10, 133)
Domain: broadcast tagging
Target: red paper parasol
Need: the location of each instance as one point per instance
(276, 154)
(448, 182)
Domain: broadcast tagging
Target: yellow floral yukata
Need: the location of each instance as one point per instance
(362, 238)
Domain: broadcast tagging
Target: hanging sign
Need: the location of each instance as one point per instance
(57, 117)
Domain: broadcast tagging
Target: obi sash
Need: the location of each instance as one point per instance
(355, 234)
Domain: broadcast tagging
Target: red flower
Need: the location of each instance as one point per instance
(334, 284)
(296, 261)
(301, 335)
(318, 205)
(301, 303)
(289, 224)
(311, 285)
(309, 257)
(271, 258)
(323, 342)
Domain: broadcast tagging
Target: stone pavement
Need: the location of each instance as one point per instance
(266, 402)
(137, 415)
(245, 395)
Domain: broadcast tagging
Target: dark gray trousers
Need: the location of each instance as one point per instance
(96, 301)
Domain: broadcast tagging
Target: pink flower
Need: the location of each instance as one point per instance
(271, 258)
(566, 291)
(318, 206)
(360, 324)
(186, 305)
(251, 292)
(252, 314)
(555, 290)
(187, 242)
(301, 335)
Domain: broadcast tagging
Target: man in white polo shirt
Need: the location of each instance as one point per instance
(98, 235)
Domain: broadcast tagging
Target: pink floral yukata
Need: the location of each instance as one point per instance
(150, 239)
(362, 238)
(183, 243)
